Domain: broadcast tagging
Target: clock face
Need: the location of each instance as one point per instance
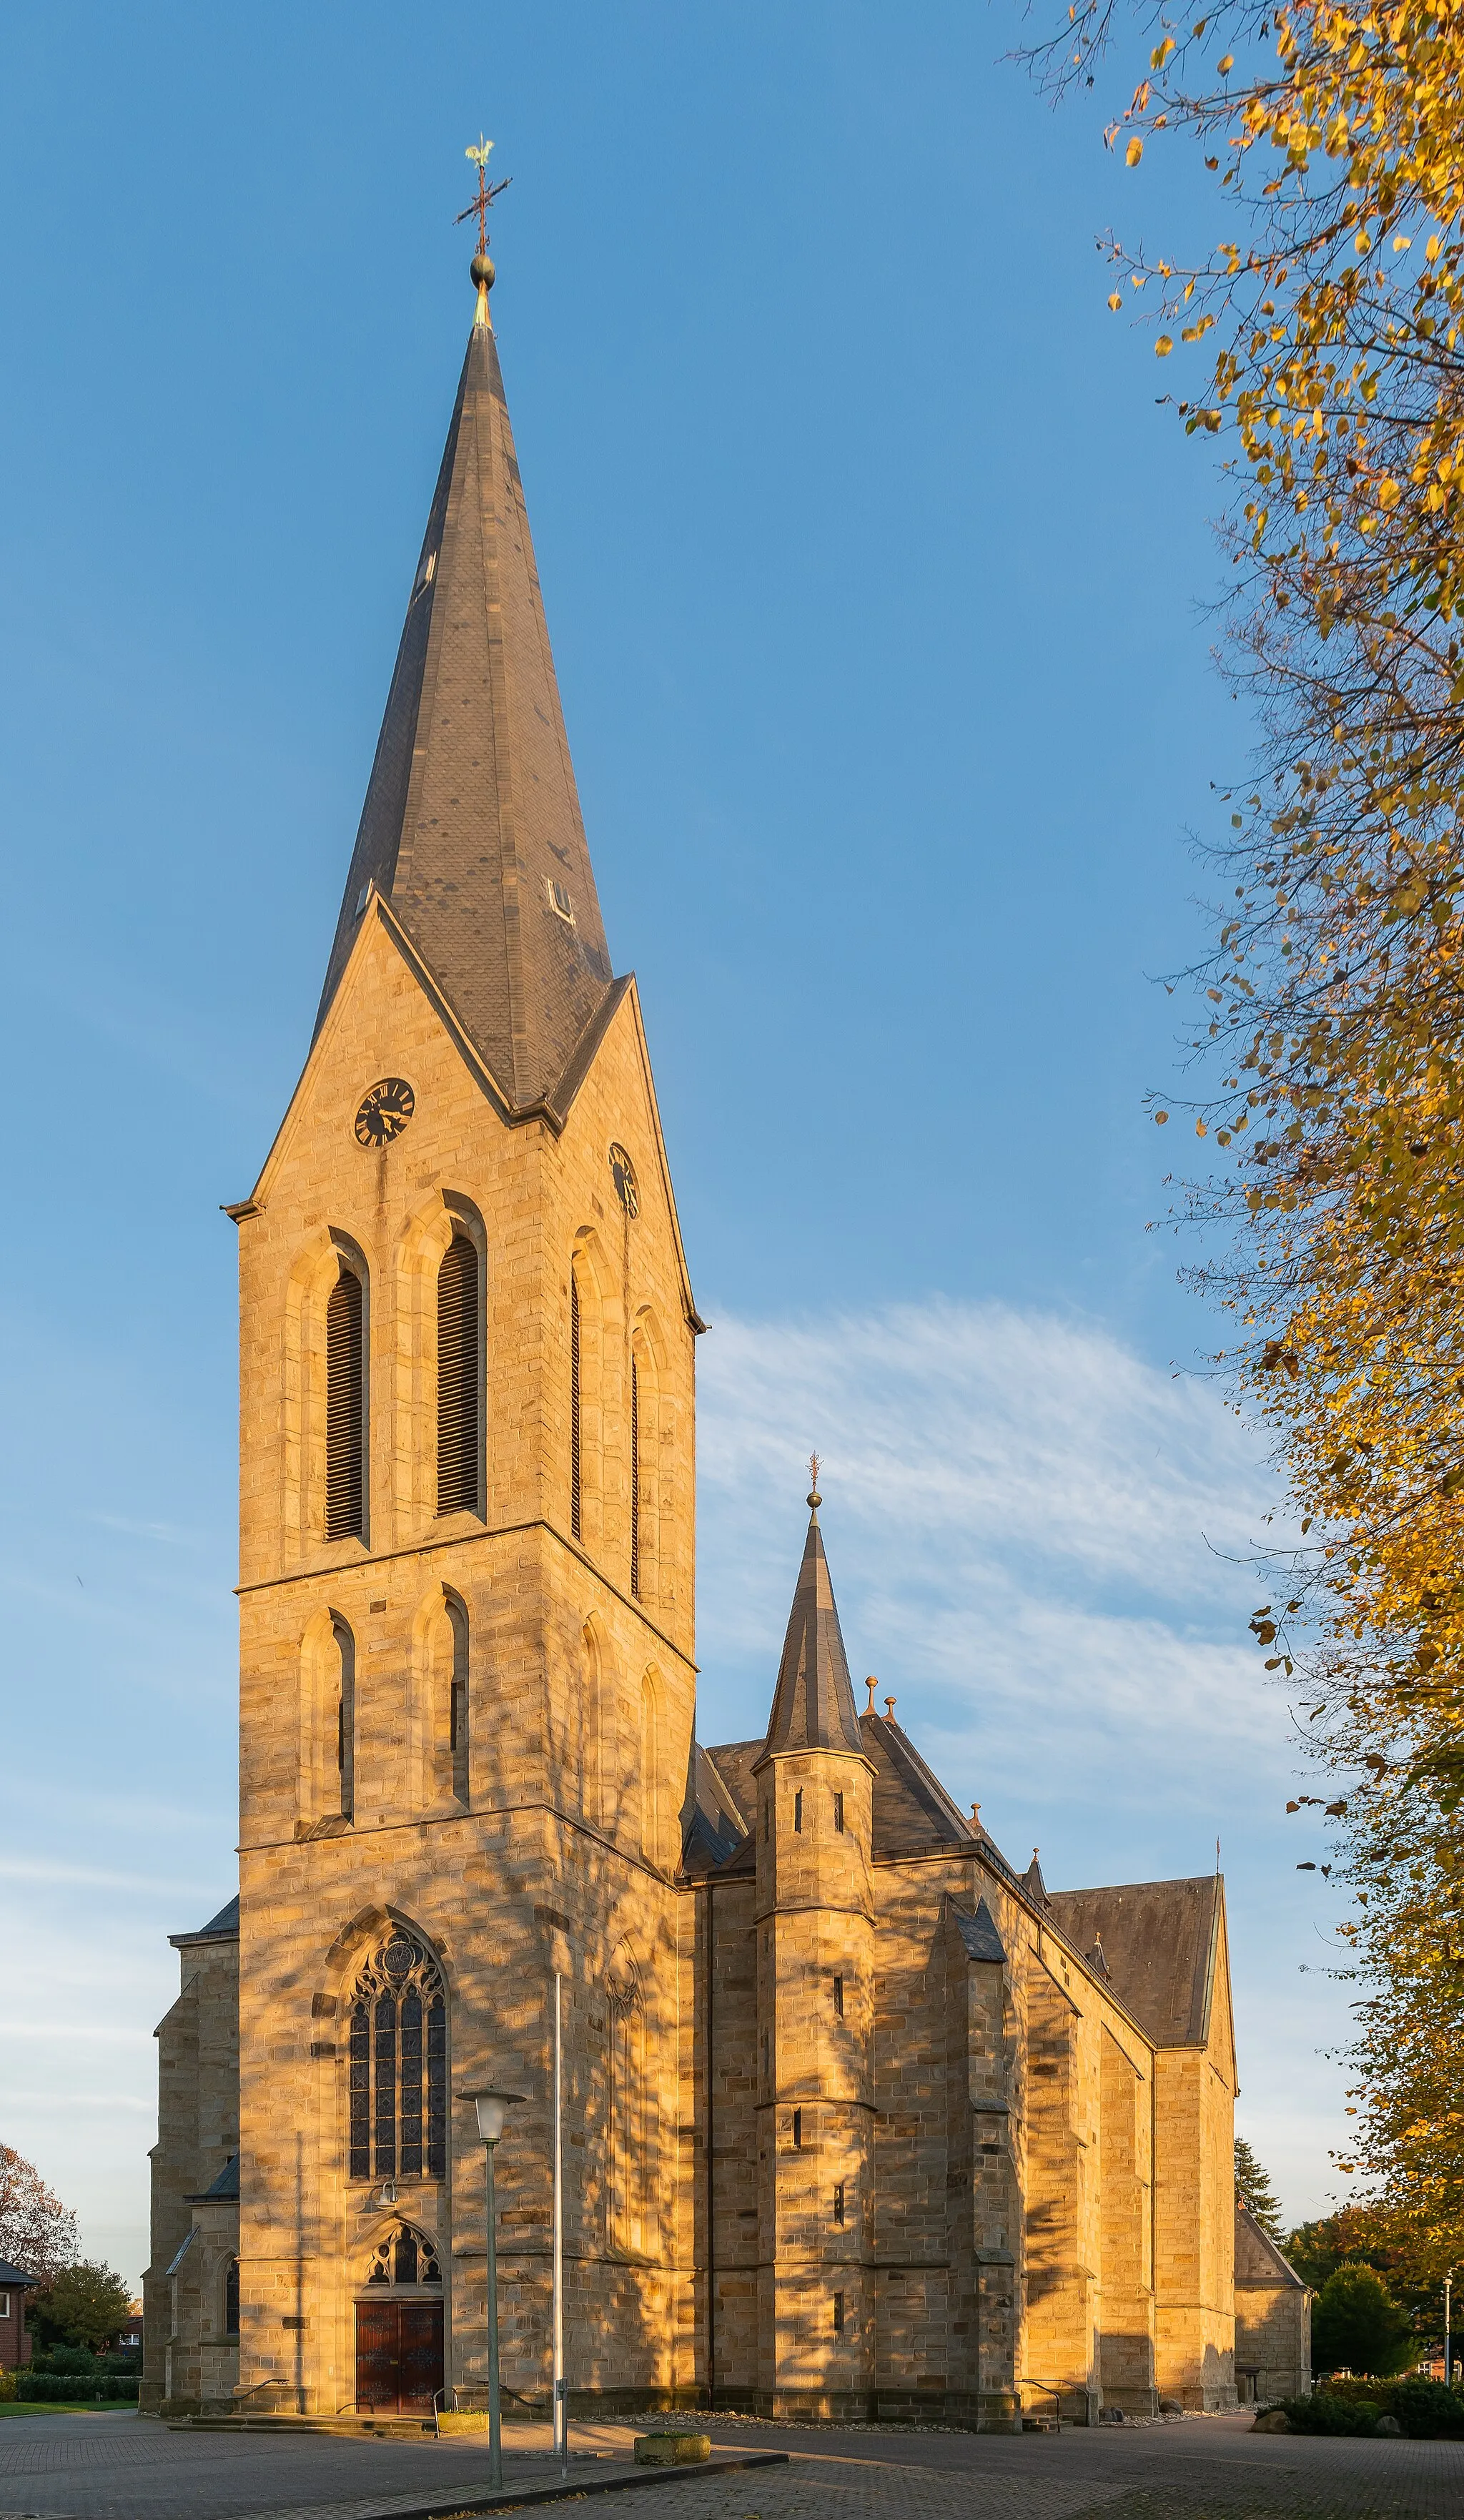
(623, 1175)
(385, 1112)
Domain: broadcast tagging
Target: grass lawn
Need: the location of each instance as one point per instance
(82, 2406)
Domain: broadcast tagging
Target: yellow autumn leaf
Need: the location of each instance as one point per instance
(1163, 346)
(1134, 152)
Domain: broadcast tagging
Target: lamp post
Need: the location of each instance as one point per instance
(1449, 2342)
(491, 2106)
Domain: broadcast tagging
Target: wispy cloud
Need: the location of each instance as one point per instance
(171, 1534)
(45, 1868)
(1041, 1542)
(1024, 1520)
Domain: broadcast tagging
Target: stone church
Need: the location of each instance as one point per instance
(857, 2117)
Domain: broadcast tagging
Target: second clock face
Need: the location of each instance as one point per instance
(384, 1111)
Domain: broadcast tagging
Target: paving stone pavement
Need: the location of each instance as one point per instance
(124, 2467)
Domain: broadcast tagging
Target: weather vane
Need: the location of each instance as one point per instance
(486, 192)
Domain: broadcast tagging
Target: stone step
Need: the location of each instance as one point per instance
(364, 2427)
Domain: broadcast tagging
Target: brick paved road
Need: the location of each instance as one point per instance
(124, 2467)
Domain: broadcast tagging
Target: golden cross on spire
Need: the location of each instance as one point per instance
(486, 193)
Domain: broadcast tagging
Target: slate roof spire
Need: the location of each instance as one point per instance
(472, 828)
(812, 1704)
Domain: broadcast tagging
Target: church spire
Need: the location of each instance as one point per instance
(812, 1704)
(472, 828)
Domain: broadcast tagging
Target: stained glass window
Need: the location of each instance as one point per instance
(398, 2065)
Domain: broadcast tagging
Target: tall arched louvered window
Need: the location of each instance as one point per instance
(458, 1378)
(575, 1433)
(345, 1412)
(398, 2090)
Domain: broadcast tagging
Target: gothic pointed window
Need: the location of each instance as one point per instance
(231, 2299)
(346, 1417)
(398, 2064)
(459, 1379)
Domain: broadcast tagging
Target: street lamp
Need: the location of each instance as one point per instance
(491, 2106)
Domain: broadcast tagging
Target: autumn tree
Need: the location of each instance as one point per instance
(38, 2233)
(1327, 1061)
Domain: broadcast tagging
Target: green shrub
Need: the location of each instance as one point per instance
(72, 2359)
(1426, 2409)
(60, 2388)
(1322, 2412)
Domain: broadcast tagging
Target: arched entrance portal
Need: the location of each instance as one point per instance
(399, 2367)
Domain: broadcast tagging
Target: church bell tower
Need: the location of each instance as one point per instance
(466, 1548)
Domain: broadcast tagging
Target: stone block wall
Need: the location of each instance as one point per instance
(186, 2360)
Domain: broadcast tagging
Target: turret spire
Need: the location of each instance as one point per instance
(812, 1704)
(472, 828)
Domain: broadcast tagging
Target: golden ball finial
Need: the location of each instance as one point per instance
(483, 273)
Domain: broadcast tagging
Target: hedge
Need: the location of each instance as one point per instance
(66, 2388)
(1424, 2409)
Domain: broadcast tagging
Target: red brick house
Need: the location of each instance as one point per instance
(15, 2344)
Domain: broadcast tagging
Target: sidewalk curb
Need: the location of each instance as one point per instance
(568, 2490)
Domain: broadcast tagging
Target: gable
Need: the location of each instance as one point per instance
(1160, 1941)
(1257, 2260)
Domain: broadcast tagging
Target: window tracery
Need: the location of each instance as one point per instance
(398, 2064)
(405, 2256)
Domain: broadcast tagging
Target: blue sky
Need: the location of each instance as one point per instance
(877, 579)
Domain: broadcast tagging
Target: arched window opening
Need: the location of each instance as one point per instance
(575, 1439)
(458, 1378)
(635, 1477)
(345, 1428)
(398, 2092)
(457, 1737)
(346, 1716)
(405, 2256)
(231, 2299)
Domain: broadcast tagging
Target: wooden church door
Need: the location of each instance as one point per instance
(398, 2357)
